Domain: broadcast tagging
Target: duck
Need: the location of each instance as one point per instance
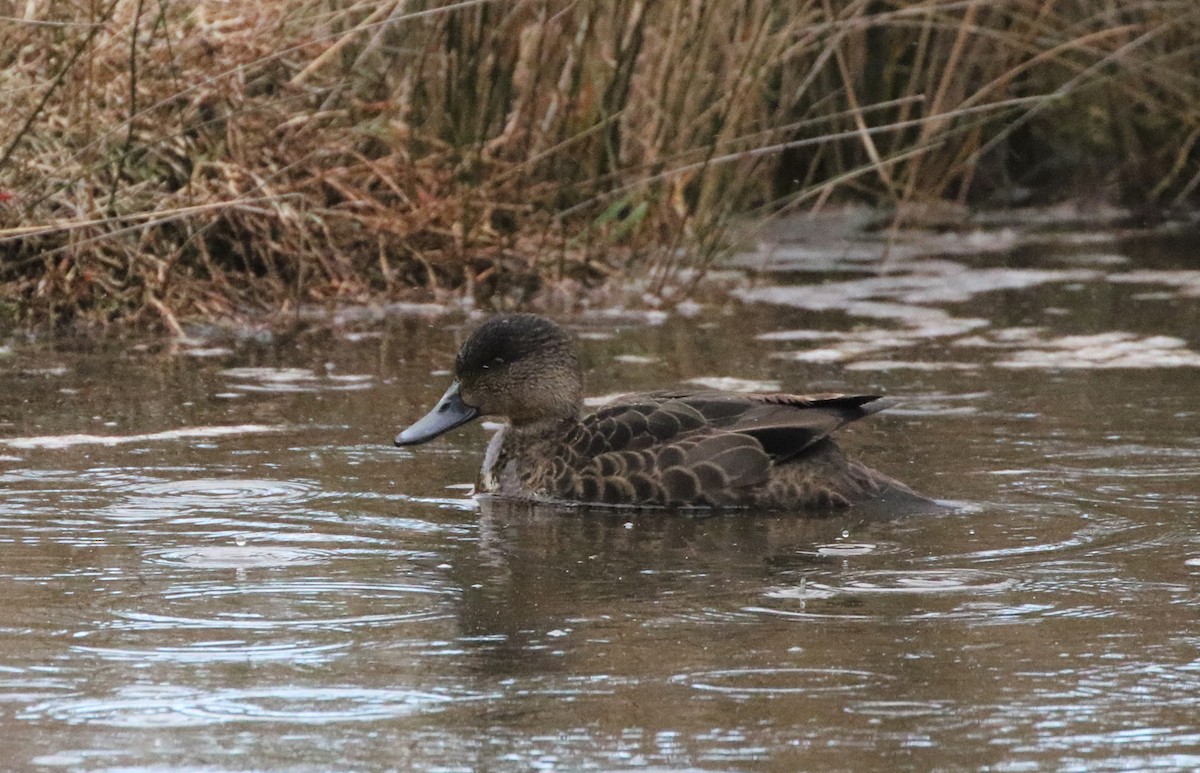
(672, 449)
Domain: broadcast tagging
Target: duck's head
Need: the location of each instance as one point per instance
(521, 367)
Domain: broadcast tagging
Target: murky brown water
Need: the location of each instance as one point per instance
(213, 559)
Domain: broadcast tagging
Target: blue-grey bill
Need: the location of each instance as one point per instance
(450, 412)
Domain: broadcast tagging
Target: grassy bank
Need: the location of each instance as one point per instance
(169, 160)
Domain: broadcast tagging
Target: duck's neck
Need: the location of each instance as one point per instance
(540, 439)
(512, 456)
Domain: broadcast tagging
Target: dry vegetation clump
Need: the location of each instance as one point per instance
(170, 160)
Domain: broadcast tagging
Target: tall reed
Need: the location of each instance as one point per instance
(168, 160)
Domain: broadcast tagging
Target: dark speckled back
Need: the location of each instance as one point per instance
(704, 449)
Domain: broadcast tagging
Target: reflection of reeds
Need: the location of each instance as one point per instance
(201, 158)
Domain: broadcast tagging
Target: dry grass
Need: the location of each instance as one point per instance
(163, 161)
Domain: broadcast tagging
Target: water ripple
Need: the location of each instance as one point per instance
(220, 652)
(69, 441)
(859, 596)
(772, 682)
(898, 709)
(154, 501)
(347, 589)
(146, 621)
(241, 556)
(296, 605)
(909, 581)
(204, 491)
(166, 706)
(843, 549)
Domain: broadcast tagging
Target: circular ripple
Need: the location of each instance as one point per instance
(924, 581)
(308, 605)
(837, 549)
(205, 490)
(848, 600)
(221, 652)
(240, 557)
(897, 709)
(902, 581)
(154, 501)
(750, 682)
(143, 707)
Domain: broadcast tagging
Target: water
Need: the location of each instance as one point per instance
(212, 559)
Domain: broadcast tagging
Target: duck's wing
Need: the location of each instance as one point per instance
(786, 425)
(702, 447)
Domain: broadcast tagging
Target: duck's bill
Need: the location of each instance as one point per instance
(450, 412)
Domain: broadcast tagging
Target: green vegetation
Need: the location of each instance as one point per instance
(169, 160)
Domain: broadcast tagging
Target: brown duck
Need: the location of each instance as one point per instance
(660, 449)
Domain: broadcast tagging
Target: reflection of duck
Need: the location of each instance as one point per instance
(674, 449)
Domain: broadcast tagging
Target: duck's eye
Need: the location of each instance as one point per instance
(495, 362)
